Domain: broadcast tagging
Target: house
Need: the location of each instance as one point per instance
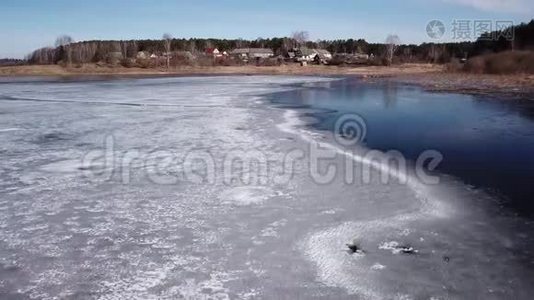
(310, 55)
(257, 53)
(241, 53)
(213, 52)
(252, 53)
(306, 54)
(323, 56)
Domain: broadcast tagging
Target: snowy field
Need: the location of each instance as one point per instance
(199, 188)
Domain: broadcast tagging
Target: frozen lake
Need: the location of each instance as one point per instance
(202, 188)
(487, 142)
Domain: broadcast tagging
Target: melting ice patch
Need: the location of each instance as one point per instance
(377, 267)
(392, 246)
(64, 166)
(336, 268)
(10, 129)
(246, 195)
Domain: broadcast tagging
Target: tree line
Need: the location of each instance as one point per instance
(68, 51)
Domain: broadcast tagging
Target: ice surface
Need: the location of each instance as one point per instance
(246, 195)
(65, 234)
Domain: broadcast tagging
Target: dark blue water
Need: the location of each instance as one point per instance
(486, 142)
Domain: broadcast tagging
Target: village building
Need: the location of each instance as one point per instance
(323, 56)
(241, 53)
(213, 52)
(306, 54)
(252, 53)
(312, 55)
(260, 53)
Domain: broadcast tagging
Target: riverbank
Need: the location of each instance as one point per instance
(431, 77)
(515, 85)
(291, 69)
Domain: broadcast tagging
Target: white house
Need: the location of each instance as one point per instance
(306, 54)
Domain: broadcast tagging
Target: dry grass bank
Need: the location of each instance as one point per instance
(293, 69)
(508, 62)
(521, 85)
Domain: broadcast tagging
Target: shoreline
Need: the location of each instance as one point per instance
(428, 76)
(516, 86)
(290, 69)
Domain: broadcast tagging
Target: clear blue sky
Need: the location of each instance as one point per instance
(29, 24)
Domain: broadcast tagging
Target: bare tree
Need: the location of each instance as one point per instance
(65, 41)
(167, 39)
(300, 37)
(43, 56)
(192, 46)
(392, 43)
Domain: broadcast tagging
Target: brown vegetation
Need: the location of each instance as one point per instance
(508, 62)
(268, 67)
(521, 85)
